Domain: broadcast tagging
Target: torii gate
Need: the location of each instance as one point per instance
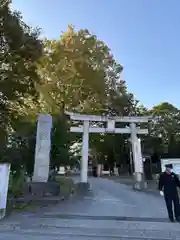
(133, 130)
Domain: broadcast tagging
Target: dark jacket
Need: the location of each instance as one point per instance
(169, 183)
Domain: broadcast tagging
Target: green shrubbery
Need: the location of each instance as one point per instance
(16, 184)
(66, 185)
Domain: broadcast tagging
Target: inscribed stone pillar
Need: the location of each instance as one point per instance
(43, 146)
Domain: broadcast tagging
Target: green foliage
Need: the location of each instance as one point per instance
(73, 70)
(20, 49)
(66, 185)
(60, 141)
(16, 184)
(166, 125)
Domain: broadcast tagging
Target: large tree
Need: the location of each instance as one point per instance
(166, 126)
(74, 71)
(20, 48)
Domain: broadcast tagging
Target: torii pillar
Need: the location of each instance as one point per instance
(85, 154)
(137, 159)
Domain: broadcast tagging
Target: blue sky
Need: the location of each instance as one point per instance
(143, 35)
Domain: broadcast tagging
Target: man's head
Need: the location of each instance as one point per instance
(169, 168)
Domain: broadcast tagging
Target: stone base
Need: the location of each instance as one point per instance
(82, 187)
(139, 181)
(45, 188)
(140, 185)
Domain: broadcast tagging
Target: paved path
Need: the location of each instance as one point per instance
(110, 211)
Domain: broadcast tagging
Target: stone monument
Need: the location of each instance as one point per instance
(43, 146)
(40, 185)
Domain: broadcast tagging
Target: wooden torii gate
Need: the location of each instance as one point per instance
(132, 129)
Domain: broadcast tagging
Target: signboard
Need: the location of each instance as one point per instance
(174, 161)
(4, 183)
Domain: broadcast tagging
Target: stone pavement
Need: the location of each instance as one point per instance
(110, 211)
(152, 186)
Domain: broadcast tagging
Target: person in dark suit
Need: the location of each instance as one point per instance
(168, 183)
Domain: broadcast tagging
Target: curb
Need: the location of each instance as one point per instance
(38, 202)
